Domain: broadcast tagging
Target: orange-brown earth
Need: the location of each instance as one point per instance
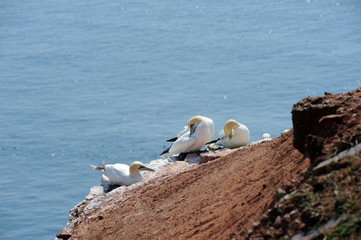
(223, 198)
(327, 205)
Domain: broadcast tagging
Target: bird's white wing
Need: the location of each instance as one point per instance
(117, 173)
(221, 134)
(223, 139)
(183, 144)
(184, 132)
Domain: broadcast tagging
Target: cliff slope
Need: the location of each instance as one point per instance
(232, 197)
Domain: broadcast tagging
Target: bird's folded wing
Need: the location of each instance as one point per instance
(117, 172)
(183, 144)
(184, 132)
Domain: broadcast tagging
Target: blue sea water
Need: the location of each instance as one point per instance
(83, 82)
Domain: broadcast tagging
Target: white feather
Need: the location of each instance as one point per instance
(240, 137)
(186, 143)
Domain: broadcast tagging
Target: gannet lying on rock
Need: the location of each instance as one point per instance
(122, 174)
(195, 135)
(233, 135)
(266, 136)
(285, 131)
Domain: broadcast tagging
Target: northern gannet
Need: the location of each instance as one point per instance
(266, 136)
(195, 135)
(233, 135)
(122, 174)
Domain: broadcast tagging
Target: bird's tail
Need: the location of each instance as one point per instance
(213, 141)
(165, 152)
(99, 168)
(172, 139)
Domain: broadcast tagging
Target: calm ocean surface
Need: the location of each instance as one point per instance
(83, 82)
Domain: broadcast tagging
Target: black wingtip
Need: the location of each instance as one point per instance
(213, 141)
(172, 139)
(165, 152)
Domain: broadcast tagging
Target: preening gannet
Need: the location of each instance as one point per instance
(122, 174)
(193, 137)
(233, 135)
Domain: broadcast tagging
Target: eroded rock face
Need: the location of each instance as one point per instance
(327, 129)
(306, 115)
(317, 121)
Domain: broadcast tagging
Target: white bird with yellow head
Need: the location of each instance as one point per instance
(233, 135)
(122, 174)
(196, 134)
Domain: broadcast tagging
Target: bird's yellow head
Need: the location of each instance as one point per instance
(193, 123)
(194, 120)
(138, 166)
(229, 126)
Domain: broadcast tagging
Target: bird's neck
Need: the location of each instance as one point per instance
(134, 173)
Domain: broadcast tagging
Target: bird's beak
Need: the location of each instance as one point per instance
(231, 135)
(144, 168)
(192, 130)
